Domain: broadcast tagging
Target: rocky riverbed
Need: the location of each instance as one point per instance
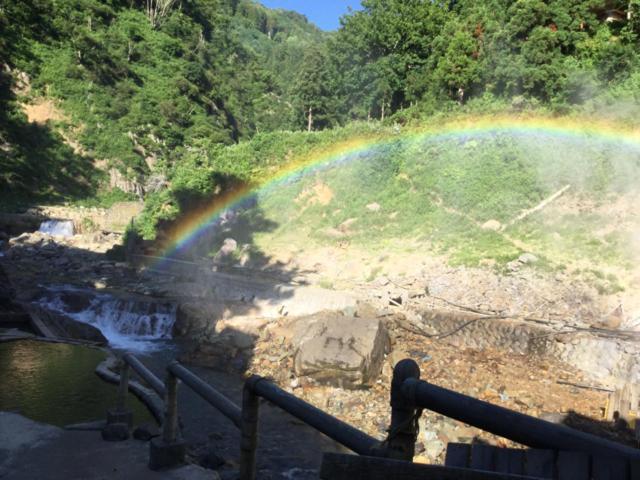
(521, 341)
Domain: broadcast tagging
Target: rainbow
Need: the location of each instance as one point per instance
(191, 226)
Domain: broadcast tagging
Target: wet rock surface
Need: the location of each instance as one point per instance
(63, 326)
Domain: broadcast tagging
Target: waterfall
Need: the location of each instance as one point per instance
(57, 228)
(128, 323)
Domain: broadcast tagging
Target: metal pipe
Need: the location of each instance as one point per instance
(341, 432)
(208, 393)
(154, 382)
(506, 423)
(249, 431)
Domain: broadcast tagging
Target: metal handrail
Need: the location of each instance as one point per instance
(154, 382)
(409, 395)
(256, 387)
(524, 429)
(207, 392)
(336, 429)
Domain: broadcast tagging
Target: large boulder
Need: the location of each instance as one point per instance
(195, 318)
(333, 349)
(64, 326)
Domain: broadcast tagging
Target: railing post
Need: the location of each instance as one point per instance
(170, 422)
(168, 450)
(249, 430)
(403, 431)
(120, 418)
(123, 387)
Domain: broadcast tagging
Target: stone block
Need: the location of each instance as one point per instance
(166, 455)
(115, 432)
(120, 416)
(146, 432)
(342, 351)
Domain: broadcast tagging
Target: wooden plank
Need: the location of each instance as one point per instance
(573, 466)
(635, 397)
(613, 405)
(625, 402)
(510, 460)
(483, 457)
(609, 468)
(40, 327)
(539, 463)
(336, 466)
(457, 455)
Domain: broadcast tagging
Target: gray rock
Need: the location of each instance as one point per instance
(340, 351)
(554, 417)
(226, 250)
(513, 266)
(146, 432)
(527, 258)
(494, 225)
(194, 318)
(434, 449)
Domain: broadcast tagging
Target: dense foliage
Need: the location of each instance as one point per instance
(395, 54)
(140, 88)
(204, 94)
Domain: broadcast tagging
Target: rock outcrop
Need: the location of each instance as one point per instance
(196, 318)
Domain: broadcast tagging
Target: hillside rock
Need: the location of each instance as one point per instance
(343, 351)
(492, 224)
(527, 258)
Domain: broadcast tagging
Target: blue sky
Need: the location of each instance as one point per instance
(324, 13)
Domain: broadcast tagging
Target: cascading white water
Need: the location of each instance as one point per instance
(130, 324)
(57, 228)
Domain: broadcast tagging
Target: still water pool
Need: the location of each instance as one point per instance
(55, 383)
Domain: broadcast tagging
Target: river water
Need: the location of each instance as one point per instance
(134, 324)
(287, 448)
(55, 383)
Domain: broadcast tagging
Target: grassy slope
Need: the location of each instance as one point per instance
(435, 194)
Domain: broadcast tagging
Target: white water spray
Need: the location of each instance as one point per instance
(57, 228)
(130, 324)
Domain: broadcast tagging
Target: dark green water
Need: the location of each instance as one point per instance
(55, 383)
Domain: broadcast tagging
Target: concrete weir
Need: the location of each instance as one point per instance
(609, 357)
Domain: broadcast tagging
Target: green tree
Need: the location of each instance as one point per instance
(313, 89)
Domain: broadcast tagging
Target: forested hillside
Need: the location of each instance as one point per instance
(161, 89)
(141, 83)
(397, 54)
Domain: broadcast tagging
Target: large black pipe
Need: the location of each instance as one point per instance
(154, 382)
(506, 423)
(341, 432)
(208, 393)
